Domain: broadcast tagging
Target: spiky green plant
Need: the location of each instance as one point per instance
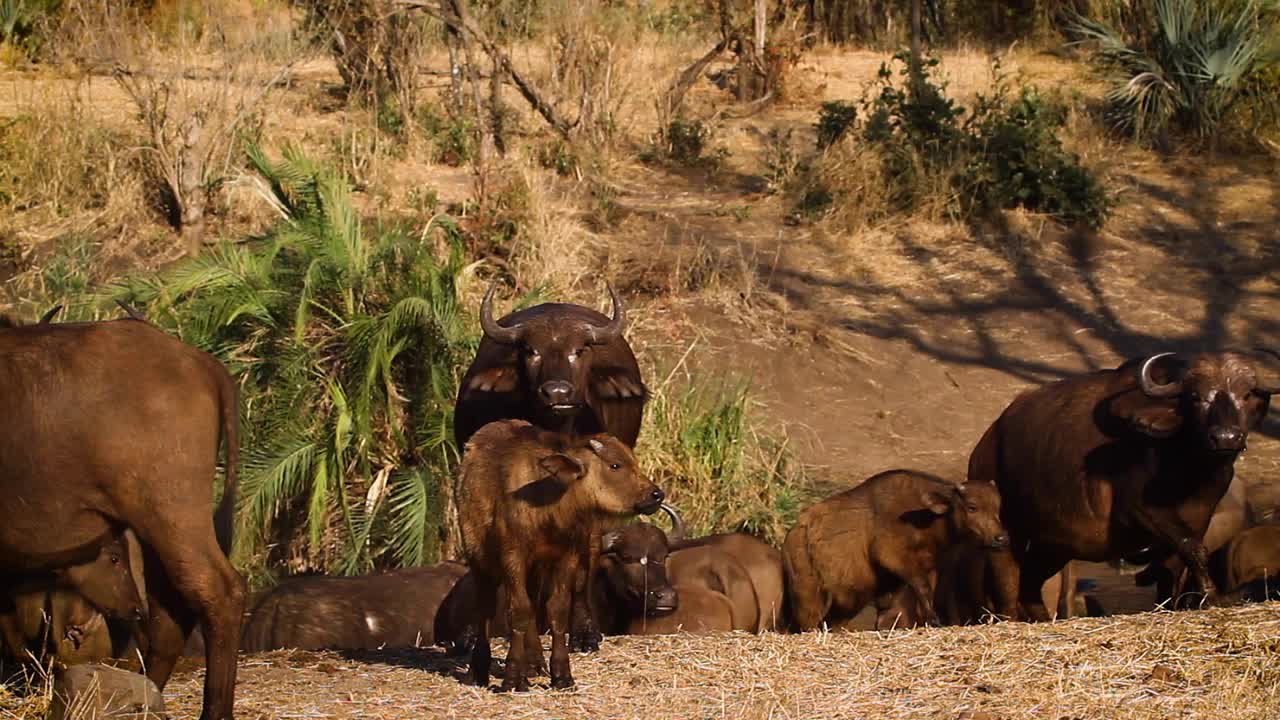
(1186, 73)
(702, 445)
(347, 342)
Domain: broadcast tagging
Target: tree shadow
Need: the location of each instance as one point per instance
(1196, 252)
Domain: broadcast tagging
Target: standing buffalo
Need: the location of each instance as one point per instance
(1104, 465)
(865, 543)
(561, 367)
(533, 501)
(395, 609)
(109, 424)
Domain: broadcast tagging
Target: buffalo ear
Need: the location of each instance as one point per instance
(616, 384)
(562, 467)
(494, 379)
(1155, 418)
(937, 501)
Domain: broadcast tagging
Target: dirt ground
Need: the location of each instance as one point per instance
(1214, 663)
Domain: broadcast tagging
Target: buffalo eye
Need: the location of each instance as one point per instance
(972, 508)
(115, 559)
(615, 466)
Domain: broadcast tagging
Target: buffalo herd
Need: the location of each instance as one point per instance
(110, 466)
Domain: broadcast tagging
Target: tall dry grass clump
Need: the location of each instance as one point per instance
(704, 445)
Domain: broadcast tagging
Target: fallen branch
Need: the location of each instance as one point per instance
(684, 81)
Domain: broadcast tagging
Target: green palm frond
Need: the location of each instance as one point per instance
(1187, 72)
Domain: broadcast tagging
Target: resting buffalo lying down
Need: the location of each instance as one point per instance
(395, 609)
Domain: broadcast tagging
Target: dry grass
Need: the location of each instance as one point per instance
(1223, 664)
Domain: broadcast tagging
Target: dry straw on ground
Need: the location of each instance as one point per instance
(1223, 664)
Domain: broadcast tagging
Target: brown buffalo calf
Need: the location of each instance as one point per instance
(762, 562)
(865, 543)
(528, 502)
(1248, 567)
(395, 609)
(61, 613)
(645, 588)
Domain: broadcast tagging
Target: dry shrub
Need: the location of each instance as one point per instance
(67, 174)
(197, 100)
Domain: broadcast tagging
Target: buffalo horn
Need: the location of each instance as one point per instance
(1151, 388)
(1269, 382)
(678, 532)
(601, 335)
(48, 317)
(492, 330)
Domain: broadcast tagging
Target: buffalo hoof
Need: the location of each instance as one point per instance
(520, 684)
(587, 642)
(562, 683)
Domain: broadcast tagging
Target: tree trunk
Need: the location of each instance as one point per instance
(916, 74)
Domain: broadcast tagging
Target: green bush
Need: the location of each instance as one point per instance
(835, 117)
(702, 446)
(347, 343)
(1005, 153)
(1186, 72)
(1017, 160)
(686, 142)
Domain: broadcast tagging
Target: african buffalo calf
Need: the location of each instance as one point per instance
(529, 504)
(395, 609)
(645, 588)
(64, 613)
(865, 543)
(564, 368)
(1248, 567)
(1105, 465)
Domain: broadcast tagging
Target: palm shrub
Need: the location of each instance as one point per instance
(347, 342)
(1186, 72)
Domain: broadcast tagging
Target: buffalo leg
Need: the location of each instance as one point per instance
(199, 578)
(1185, 542)
(1037, 567)
(481, 657)
(585, 636)
(520, 618)
(558, 610)
(533, 651)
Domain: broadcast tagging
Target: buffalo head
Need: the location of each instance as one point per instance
(1214, 399)
(554, 356)
(112, 582)
(633, 560)
(974, 511)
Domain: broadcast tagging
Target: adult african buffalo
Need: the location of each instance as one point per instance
(561, 367)
(394, 609)
(118, 424)
(1103, 465)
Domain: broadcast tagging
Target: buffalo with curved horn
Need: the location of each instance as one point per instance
(1117, 464)
(560, 366)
